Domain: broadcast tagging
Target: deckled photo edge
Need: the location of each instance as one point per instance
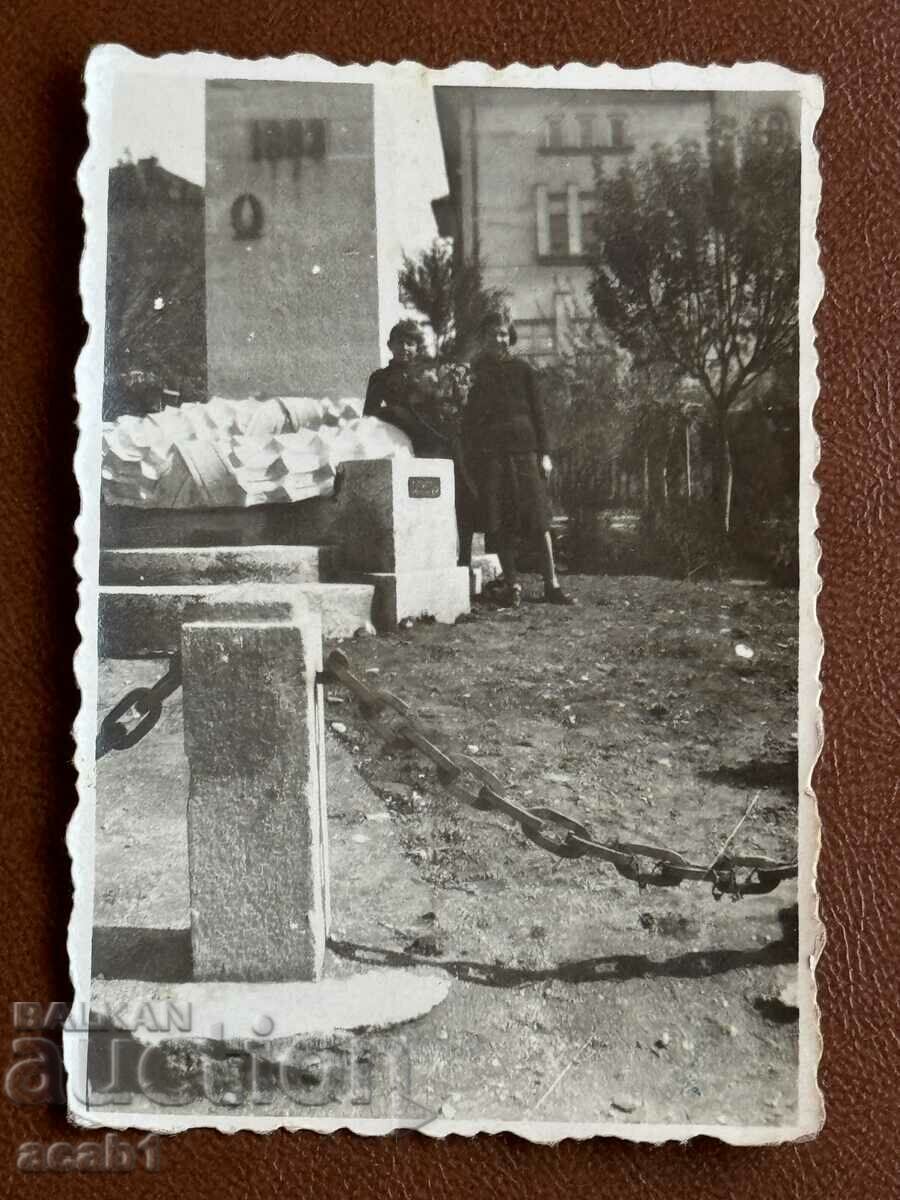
(104, 64)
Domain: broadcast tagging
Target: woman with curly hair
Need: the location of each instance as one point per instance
(395, 393)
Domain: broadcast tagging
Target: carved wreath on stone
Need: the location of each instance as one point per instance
(246, 217)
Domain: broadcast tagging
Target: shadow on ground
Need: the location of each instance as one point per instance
(758, 773)
(696, 964)
(164, 956)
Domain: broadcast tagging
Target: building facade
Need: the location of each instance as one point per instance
(291, 267)
(521, 168)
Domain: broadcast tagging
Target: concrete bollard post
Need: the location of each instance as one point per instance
(257, 828)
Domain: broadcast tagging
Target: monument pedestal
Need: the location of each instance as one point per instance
(383, 549)
(397, 519)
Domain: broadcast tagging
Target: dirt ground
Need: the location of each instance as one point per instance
(575, 996)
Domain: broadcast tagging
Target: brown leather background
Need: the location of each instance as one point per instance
(854, 45)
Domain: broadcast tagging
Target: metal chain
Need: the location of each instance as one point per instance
(471, 783)
(141, 705)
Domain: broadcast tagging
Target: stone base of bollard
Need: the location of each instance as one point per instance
(239, 1014)
(259, 1048)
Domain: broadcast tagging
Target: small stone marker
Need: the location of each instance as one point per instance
(397, 522)
(397, 514)
(257, 832)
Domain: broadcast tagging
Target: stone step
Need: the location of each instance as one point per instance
(140, 622)
(199, 565)
(344, 607)
(305, 522)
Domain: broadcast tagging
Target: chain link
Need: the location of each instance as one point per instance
(141, 705)
(473, 784)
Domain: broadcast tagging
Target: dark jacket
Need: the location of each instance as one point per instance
(504, 413)
(392, 395)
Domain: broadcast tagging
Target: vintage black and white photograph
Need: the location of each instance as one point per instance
(449, 659)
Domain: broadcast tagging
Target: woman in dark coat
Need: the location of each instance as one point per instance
(507, 449)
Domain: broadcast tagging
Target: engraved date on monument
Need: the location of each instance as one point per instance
(424, 487)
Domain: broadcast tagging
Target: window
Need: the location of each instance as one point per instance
(555, 132)
(581, 132)
(536, 338)
(565, 222)
(559, 233)
(558, 213)
(586, 130)
(587, 207)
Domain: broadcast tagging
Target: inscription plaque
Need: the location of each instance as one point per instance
(424, 487)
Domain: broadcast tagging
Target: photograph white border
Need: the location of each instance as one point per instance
(104, 64)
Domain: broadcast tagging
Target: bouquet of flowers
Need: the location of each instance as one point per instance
(444, 390)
